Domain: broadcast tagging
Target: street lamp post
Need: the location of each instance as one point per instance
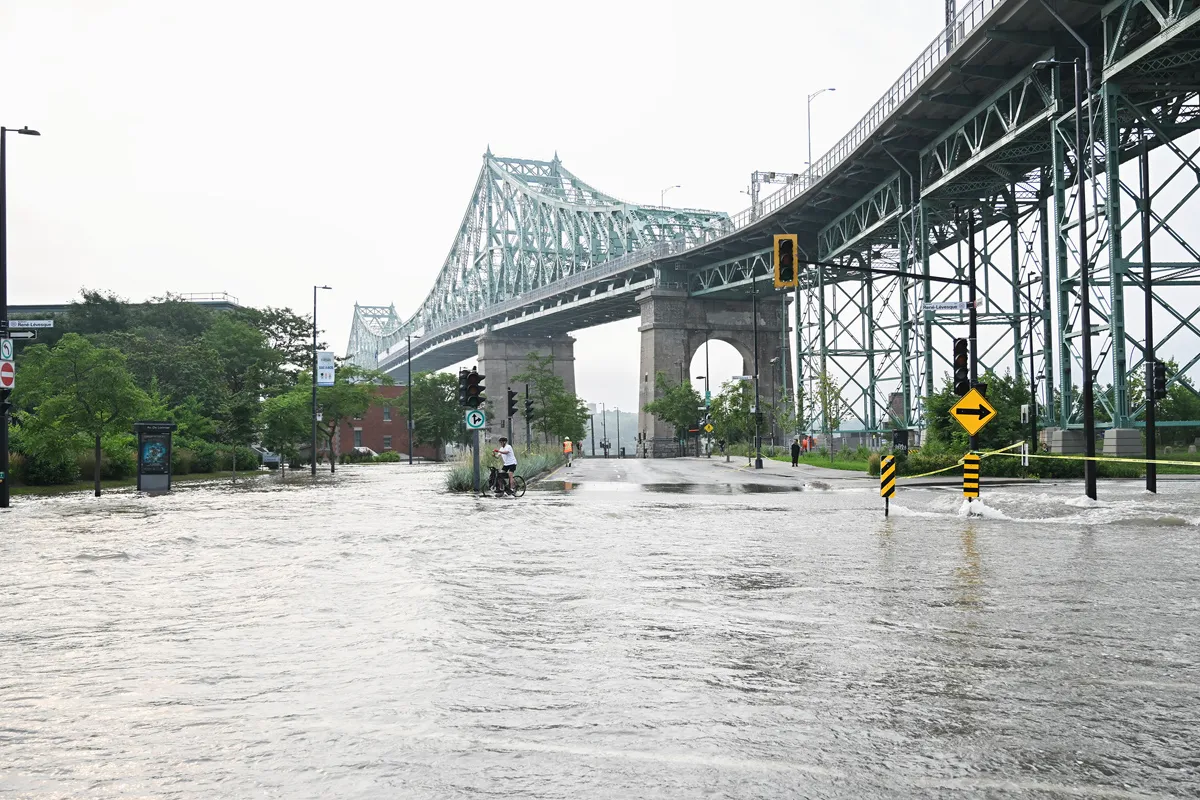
(758, 463)
(604, 429)
(796, 289)
(662, 195)
(408, 391)
(618, 410)
(5, 478)
(811, 97)
(314, 384)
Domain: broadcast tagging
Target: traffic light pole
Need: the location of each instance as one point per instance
(1151, 400)
(528, 424)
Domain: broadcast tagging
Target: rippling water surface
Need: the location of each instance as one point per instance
(373, 637)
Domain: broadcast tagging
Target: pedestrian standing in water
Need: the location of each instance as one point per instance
(795, 452)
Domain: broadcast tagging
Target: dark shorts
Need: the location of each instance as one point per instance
(510, 468)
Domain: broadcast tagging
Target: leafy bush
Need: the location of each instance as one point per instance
(873, 464)
(182, 460)
(529, 466)
(389, 457)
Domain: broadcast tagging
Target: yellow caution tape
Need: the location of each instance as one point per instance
(1105, 459)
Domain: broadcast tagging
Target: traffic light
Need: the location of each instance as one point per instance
(786, 275)
(512, 403)
(1160, 380)
(462, 387)
(475, 396)
(6, 402)
(528, 408)
(962, 361)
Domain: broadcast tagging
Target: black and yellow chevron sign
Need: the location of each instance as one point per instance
(971, 475)
(887, 476)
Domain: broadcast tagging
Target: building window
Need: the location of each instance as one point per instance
(387, 443)
(387, 413)
(358, 437)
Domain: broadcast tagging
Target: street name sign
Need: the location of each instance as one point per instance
(475, 419)
(325, 368)
(955, 306)
(973, 411)
(29, 324)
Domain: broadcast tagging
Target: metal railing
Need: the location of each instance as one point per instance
(209, 297)
(966, 21)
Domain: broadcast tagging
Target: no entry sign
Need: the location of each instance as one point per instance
(8, 375)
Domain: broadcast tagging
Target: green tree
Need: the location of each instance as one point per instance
(833, 407)
(1004, 393)
(731, 411)
(286, 332)
(78, 387)
(677, 404)
(437, 416)
(352, 393)
(286, 423)
(557, 413)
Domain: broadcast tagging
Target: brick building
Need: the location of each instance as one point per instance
(383, 428)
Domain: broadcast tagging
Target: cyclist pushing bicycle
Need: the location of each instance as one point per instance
(509, 464)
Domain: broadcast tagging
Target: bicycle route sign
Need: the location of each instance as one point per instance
(475, 419)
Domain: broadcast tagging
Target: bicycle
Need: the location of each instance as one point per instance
(493, 483)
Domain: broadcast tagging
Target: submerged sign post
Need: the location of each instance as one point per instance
(326, 368)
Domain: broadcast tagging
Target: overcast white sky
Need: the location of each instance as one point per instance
(260, 146)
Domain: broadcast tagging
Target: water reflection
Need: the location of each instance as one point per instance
(373, 636)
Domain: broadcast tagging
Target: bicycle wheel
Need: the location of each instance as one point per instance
(518, 486)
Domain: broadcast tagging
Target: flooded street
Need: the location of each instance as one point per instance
(628, 630)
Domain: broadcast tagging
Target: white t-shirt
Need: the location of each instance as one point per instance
(506, 455)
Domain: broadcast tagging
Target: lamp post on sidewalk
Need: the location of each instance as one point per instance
(5, 478)
(408, 391)
(314, 383)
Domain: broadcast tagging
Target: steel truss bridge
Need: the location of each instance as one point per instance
(978, 124)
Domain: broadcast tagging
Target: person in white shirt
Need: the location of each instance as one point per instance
(509, 462)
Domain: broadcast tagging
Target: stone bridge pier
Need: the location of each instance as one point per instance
(675, 326)
(502, 357)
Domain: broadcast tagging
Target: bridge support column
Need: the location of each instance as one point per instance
(675, 326)
(504, 356)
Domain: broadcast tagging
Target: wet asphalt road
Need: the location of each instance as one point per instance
(629, 629)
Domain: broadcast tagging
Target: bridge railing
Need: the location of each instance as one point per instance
(967, 20)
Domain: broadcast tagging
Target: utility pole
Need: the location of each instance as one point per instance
(618, 410)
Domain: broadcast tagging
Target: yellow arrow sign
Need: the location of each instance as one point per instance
(973, 411)
(708, 428)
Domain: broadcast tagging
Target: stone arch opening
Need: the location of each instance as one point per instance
(719, 359)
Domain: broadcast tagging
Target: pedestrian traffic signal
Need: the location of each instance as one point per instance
(786, 245)
(475, 396)
(512, 403)
(1160, 380)
(962, 362)
(462, 387)
(6, 402)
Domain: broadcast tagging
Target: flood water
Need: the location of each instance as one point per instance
(372, 636)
